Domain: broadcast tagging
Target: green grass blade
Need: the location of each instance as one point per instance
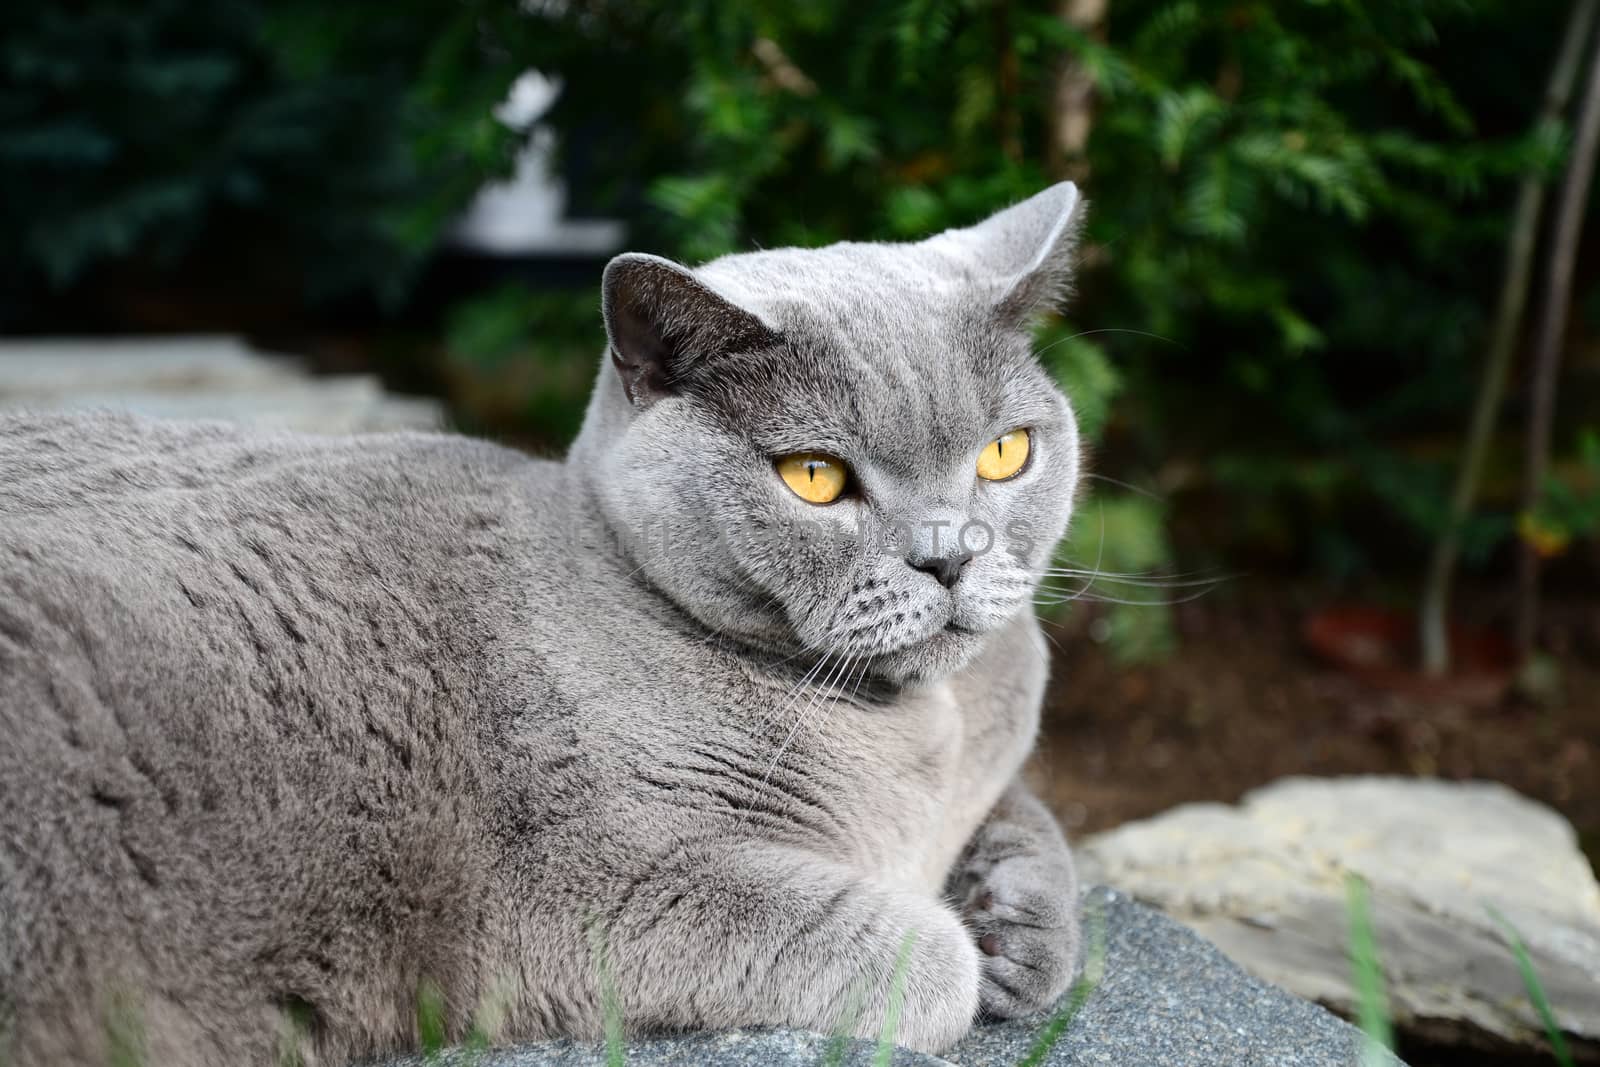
(610, 1001)
(833, 1052)
(125, 1033)
(611, 1008)
(1094, 965)
(849, 1020)
(897, 997)
(1372, 998)
(1535, 988)
(488, 1020)
(474, 1047)
(430, 1018)
(294, 1033)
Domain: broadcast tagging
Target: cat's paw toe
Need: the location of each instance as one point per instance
(1025, 924)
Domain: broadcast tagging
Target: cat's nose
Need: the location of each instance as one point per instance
(945, 568)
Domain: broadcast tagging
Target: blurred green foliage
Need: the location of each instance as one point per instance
(524, 360)
(1298, 208)
(1571, 505)
(1296, 214)
(1292, 204)
(1113, 557)
(310, 147)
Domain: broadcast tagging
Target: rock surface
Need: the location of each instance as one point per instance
(1163, 997)
(200, 378)
(1265, 881)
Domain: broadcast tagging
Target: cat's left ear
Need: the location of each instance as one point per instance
(665, 325)
(1024, 252)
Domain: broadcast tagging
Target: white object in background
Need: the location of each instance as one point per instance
(525, 214)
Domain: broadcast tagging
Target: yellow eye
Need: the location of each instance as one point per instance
(1003, 457)
(814, 477)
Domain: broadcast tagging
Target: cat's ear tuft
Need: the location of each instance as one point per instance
(1026, 251)
(664, 324)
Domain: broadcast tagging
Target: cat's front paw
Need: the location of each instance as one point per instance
(1023, 914)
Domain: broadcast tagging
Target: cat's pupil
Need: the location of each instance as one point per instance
(1000, 448)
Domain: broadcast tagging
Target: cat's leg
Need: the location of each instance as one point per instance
(753, 934)
(1017, 889)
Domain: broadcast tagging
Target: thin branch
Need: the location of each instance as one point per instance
(1552, 334)
(1515, 278)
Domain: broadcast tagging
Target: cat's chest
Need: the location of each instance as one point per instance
(932, 777)
(902, 785)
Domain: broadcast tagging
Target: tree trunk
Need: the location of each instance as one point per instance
(1552, 333)
(1008, 79)
(1072, 108)
(1515, 276)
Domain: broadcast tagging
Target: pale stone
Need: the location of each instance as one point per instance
(1266, 881)
(200, 377)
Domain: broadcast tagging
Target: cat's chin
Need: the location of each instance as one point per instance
(932, 660)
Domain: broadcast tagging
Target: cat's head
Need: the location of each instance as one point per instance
(846, 452)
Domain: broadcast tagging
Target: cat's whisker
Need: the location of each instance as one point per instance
(811, 695)
(790, 658)
(834, 703)
(788, 699)
(1044, 657)
(1129, 486)
(831, 688)
(866, 669)
(1107, 329)
(1047, 593)
(1142, 583)
(800, 719)
(1070, 568)
(1101, 598)
(1099, 555)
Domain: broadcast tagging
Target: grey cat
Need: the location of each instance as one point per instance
(297, 730)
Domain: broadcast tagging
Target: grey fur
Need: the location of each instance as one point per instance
(293, 726)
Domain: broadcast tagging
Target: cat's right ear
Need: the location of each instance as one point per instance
(663, 325)
(1022, 254)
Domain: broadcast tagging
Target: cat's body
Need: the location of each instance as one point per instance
(297, 730)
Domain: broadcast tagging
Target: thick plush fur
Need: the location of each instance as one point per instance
(295, 730)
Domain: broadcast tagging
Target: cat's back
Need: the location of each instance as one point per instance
(237, 677)
(119, 532)
(110, 462)
(203, 578)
